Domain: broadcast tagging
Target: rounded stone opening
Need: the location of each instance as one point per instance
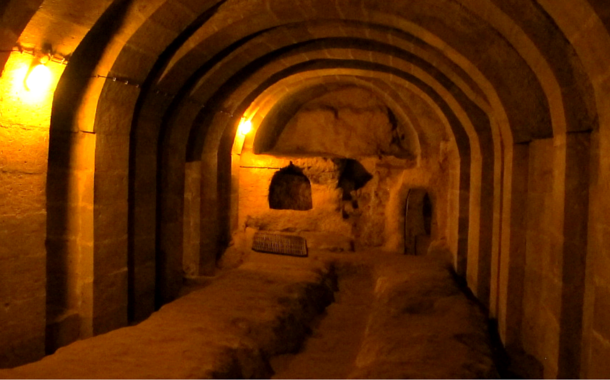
(290, 189)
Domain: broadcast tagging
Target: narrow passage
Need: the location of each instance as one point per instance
(331, 351)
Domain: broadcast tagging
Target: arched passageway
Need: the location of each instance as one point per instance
(130, 175)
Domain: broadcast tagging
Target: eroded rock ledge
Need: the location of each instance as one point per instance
(421, 325)
(226, 330)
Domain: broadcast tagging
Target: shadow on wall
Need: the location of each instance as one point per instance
(290, 189)
(354, 176)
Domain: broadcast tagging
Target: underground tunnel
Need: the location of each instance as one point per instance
(304, 189)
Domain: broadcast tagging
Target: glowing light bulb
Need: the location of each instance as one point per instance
(245, 126)
(38, 79)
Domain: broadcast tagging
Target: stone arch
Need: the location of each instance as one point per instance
(12, 27)
(89, 139)
(457, 119)
(91, 121)
(339, 12)
(287, 106)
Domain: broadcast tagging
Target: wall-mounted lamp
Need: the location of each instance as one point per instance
(245, 126)
(38, 78)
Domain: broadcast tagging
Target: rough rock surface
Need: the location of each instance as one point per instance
(339, 116)
(395, 316)
(330, 352)
(225, 330)
(422, 325)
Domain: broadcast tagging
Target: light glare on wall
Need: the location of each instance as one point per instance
(38, 79)
(245, 126)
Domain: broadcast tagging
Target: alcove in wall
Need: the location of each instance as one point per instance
(290, 189)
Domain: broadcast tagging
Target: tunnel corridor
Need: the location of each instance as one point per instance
(145, 144)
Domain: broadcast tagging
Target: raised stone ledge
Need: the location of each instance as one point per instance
(420, 325)
(228, 329)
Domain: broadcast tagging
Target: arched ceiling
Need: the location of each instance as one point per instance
(509, 56)
(468, 45)
(499, 73)
(278, 114)
(174, 77)
(162, 83)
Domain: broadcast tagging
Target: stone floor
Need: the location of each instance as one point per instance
(351, 315)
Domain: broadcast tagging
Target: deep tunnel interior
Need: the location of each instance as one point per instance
(469, 133)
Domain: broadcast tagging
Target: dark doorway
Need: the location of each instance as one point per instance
(418, 222)
(353, 177)
(290, 189)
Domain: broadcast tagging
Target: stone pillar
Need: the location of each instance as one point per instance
(192, 219)
(513, 246)
(575, 231)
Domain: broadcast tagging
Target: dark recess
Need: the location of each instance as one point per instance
(353, 177)
(290, 190)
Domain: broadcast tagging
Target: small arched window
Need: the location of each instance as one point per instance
(290, 189)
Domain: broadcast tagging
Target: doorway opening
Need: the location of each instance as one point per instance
(418, 222)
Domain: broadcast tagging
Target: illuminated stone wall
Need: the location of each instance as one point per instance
(348, 145)
(506, 110)
(24, 142)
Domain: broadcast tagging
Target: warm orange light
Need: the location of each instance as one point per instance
(38, 79)
(245, 126)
